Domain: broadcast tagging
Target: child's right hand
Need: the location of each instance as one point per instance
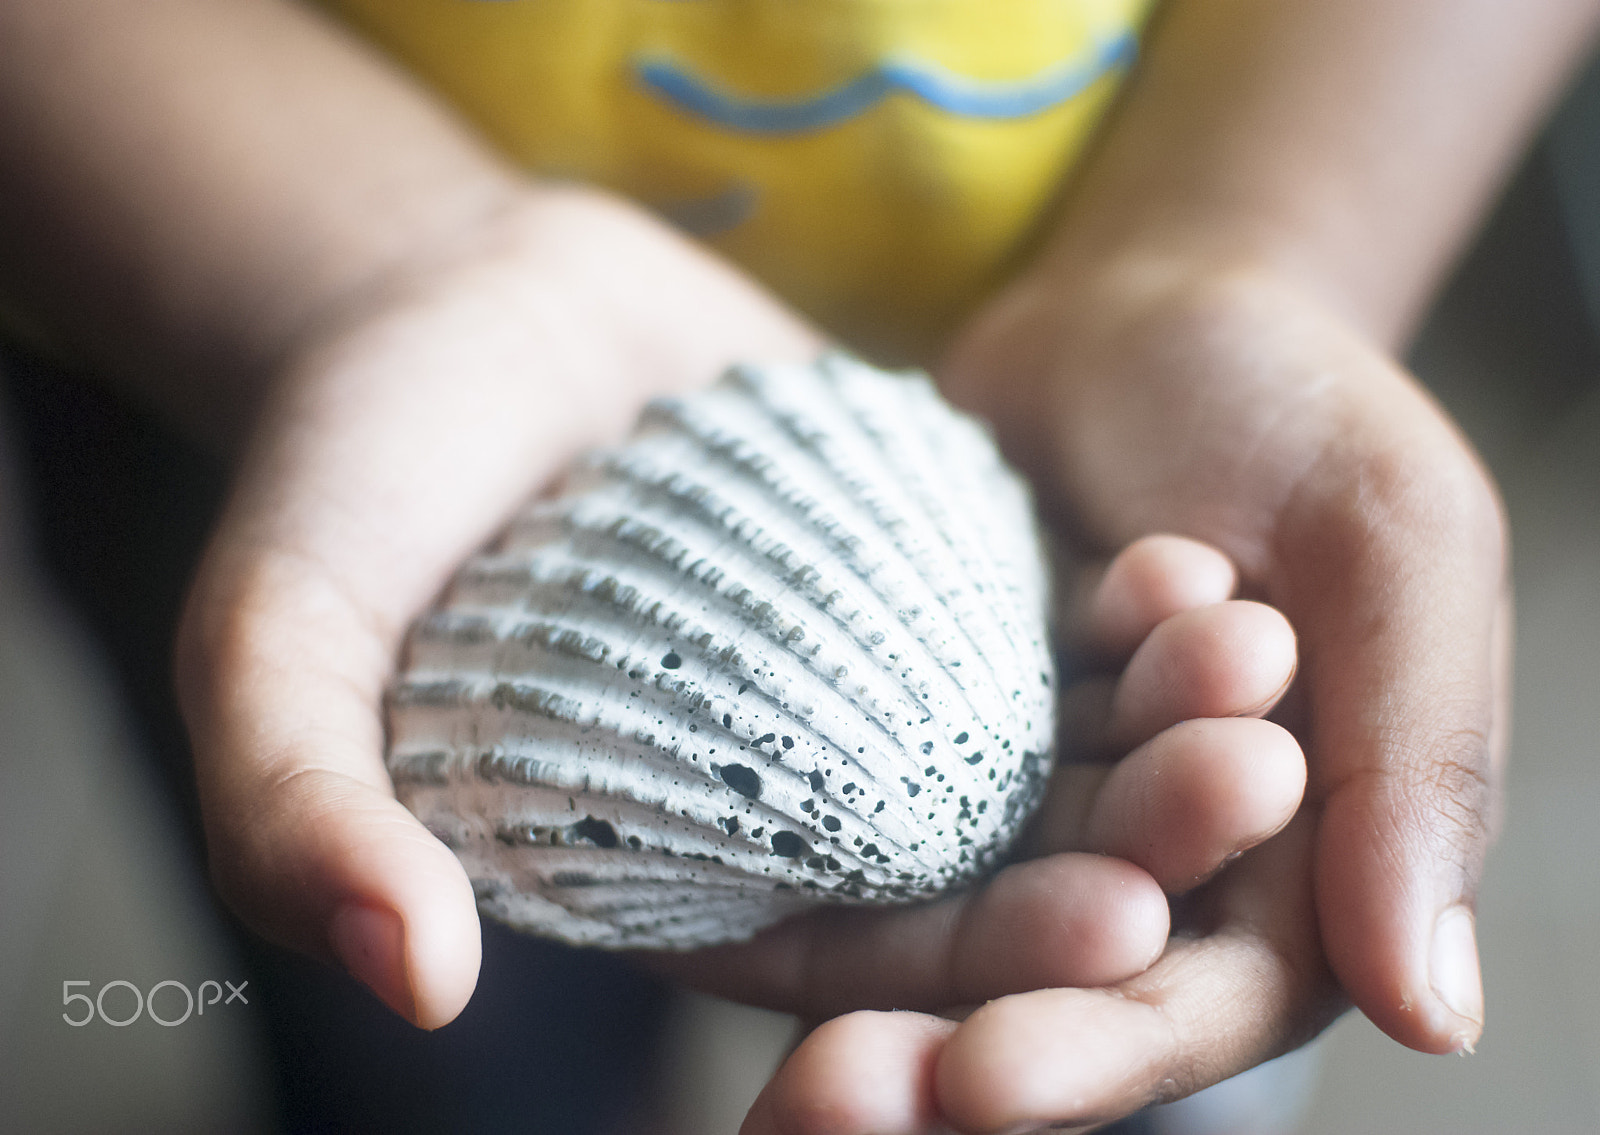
(392, 445)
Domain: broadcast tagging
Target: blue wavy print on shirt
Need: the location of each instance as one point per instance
(970, 98)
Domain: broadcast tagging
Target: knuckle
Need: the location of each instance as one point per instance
(1447, 795)
(1459, 794)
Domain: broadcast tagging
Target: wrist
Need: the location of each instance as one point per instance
(561, 287)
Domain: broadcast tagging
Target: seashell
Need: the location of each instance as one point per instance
(786, 646)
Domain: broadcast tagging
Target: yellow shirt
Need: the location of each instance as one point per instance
(879, 163)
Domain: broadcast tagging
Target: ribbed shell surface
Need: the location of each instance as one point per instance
(785, 646)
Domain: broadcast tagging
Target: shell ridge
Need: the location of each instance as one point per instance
(559, 702)
(520, 795)
(912, 580)
(746, 673)
(889, 598)
(928, 480)
(561, 694)
(547, 822)
(672, 557)
(712, 514)
(848, 443)
(904, 412)
(677, 557)
(507, 760)
(986, 510)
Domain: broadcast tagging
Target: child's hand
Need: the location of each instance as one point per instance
(1236, 409)
(1206, 780)
(391, 448)
(1203, 347)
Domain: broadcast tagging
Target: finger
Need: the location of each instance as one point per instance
(1232, 659)
(1210, 1008)
(306, 839)
(1149, 581)
(1401, 602)
(1062, 920)
(862, 1074)
(1197, 795)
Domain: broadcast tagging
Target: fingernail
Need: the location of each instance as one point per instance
(371, 943)
(1454, 972)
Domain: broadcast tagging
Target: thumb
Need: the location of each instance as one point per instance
(1400, 597)
(281, 682)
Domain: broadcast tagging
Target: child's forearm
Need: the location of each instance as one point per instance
(1349, 146)
(189, 185)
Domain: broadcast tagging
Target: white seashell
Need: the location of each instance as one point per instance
(786, 646)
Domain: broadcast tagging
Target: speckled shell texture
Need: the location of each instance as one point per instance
(786, 646)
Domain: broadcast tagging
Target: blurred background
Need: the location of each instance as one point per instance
(99, 880)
